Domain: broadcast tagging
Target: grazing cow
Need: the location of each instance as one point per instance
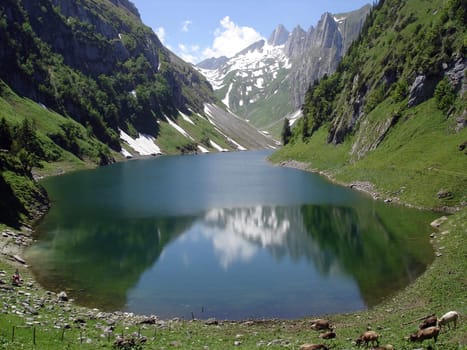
(328, 335)
(426, 333)
(448, 318)
(321, 324)
(367, 337)
(428, 322)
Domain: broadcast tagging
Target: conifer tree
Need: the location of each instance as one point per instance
(5, 135)
(286, 132)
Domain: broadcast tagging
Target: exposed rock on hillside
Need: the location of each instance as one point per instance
(421, 90)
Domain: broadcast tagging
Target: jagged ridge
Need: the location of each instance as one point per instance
(267, 80)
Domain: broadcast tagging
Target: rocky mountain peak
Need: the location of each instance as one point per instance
(327, 33)
(296, 42)
(279, 36)
(213, 63)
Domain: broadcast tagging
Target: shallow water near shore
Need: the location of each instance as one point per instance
(224, 235)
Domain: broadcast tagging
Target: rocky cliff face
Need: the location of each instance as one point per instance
(319, 54)
(268, 80)
(295, 43)
(88, 41)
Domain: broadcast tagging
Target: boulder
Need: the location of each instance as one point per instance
(149, 320)
(421, 90)
(30, 309)
(438, 222)
(456, 75)
(62, 296)
(444, 194)
(19, 259)
(211, 322)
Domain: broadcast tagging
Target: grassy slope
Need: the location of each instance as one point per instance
(15, 109)
(26, 193)
(413, 171)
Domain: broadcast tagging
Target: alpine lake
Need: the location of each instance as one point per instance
(224, 235)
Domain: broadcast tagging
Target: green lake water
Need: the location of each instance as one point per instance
(223, 235)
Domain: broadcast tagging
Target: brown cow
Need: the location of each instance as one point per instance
(367, 337)
(423, 334)
(428, 322)
(328, 335)
(320, 324)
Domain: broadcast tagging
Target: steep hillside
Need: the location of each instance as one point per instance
(89, 83)
(96, 62)
(267, 80)
(394, 113)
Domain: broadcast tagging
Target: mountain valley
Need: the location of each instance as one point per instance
(266, 81)
(373, 99)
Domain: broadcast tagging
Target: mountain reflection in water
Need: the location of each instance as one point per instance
(257, 258)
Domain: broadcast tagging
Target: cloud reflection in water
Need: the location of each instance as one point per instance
(237, 234)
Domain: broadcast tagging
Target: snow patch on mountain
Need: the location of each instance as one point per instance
(239, 146)
(226, 98)
(259, 83)
(249, 64)
(339, 19)
(125, 153)
(144, 144)
(203, 149)
(294, 117)
(187, 118)
(217, 147)
(178, 128)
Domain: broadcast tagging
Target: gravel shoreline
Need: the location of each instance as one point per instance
(365, 187)
(362, 186)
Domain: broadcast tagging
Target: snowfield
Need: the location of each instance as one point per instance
(144, 145)
(250, 65)
(178, 128)
(227, 96)
(217, 147)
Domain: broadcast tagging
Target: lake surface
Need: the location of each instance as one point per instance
(223, 235)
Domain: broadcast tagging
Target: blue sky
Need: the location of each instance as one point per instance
(200, 29)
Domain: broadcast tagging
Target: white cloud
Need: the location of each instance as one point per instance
(230, 39)
(160, 32)
(189, 53)
(186, 26)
